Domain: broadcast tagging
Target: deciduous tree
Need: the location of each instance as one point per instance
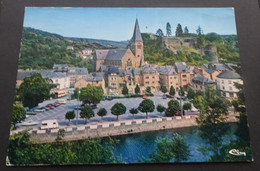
(18, 114)
(70, 115)
(125, 90)
(146, 106)
(160, 108)
(190, 94)
(159, 33)
(173, 108)
(87, 113)
(91, 94)
(118, 109)
(102, 112)
(172, 91)
(164, 89)
(187, 106)
(133, 111)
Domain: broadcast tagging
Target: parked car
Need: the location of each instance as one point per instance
(56, 104)
(83, 104)
(94, 106)
(49, 124)
(78, 108)
(39, 110)
(109, 98)
(50, 106)
(44, 108)
(145, 97)
(103, 98)
(61, 101)
(164, 96)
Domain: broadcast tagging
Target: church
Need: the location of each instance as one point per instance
(125, 59)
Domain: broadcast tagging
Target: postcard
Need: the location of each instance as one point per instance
(128, 85)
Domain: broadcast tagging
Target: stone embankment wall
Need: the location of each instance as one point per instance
(106, 129)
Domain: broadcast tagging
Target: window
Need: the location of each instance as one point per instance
(184, 80)
(231, 94)
(147, 82)
(153, 82)
(147, 77)
(222, 81)
(229, 82)
(153, 76)
(170, 77)
(175, 78)
(223, 87)
(200, 87)
(230, 88)
(184, 76)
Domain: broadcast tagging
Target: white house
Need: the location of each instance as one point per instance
(61, 80)
(226, 83)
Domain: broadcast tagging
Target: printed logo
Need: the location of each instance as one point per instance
(236, 152)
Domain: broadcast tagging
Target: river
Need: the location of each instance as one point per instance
(135, 146)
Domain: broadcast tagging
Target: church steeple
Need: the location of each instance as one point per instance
(136, 44)
(137, 34)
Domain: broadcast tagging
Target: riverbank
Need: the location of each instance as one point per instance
(106, 129)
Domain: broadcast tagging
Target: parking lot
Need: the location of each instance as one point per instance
(58, 113)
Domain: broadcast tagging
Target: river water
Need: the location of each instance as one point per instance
(135, 146)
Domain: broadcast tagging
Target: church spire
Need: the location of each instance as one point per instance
(137, 34)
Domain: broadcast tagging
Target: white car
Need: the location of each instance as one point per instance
(39, 110)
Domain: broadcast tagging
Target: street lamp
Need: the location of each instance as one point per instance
(78, 109)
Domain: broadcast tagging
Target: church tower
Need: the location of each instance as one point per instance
(136, 44)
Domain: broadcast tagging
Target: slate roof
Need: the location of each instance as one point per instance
(60, 67)
(181, 67)
(137, 71)
(23, 74)
(110, 54)
(148, 69)
(137, 34)
(78, 71)
(202, 80)
(56, 75)
(94, 78)
(166, 70)
(229, 75)
(210, 71)
(221, 67)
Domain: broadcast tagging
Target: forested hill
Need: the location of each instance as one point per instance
(155, 50)
(40, 49)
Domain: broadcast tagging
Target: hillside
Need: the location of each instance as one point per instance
(167, 50)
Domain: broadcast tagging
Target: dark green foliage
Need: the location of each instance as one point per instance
(18, 114)
(125, 90)
(75, 94)
(178, 31)
(200, 103)
(34, 90)
(160, 108)
(137, 89)
(148, 90)
(118, 109)
(181, 92)
(168, 149)
(70, 115)
(159, 33)
(173, 108)
(187, 106)
(102, 112)
(212, 37)
(200, 38)
(164, 89)
(133, 111)
(190, 94)
(91, 94)
(168, 29)
(87, 113)
(186, 30)
(146, 106)
(172, 91)
(199, 93)
(23, 152)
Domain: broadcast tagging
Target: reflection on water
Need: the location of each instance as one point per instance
(135, 146)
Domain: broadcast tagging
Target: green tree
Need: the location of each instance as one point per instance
(102, 112)
(172, 91)
(19, 114)
(137, 89)
(173, 108)
(199, 93)
(91, 94)
(70, 115)
(118, 109)
(190, 94)
(200, 103)
(181, 92)
(148, 90)
(187, 106)
(146, 106)
(160, 108)
(125, 90)
(159, 33)
(34, 90)
(87, 113)
(186, 30)
(168, 149)
(133, 111)
(213, 37)
(168, 29)
(200, 38)
(75, 94)
(164, 89)
(178, 31)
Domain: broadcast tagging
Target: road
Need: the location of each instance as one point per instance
(58, 113)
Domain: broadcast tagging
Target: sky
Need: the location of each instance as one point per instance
(118, 23)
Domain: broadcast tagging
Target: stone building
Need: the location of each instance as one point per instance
(168, 76)
(226, 83)
(122, 58)
(200, 83)
(90, 80)
(183, 73)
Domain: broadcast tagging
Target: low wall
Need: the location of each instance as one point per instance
(106, 129)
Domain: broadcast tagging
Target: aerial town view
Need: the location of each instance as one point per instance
(128, 85)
